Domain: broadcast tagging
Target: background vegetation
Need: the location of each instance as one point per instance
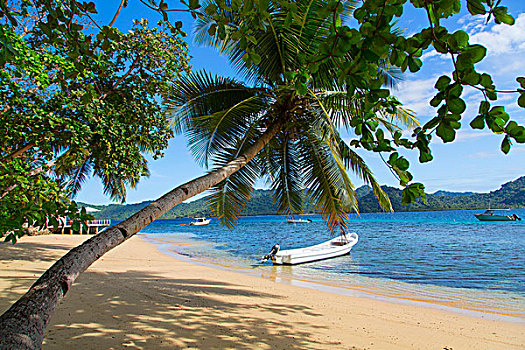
(510, 195)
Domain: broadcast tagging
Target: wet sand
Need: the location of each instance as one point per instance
(137, 297)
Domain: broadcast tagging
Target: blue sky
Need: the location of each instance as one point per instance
(473, 162)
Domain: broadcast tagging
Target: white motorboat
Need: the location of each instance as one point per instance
(200, 222)
(491, 215)
(298, 221)
(335, 247)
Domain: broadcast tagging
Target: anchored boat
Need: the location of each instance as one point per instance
(335, 247)
(491, 215)
(200, 222)
(298, 221)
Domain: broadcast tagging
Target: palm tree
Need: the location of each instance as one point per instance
(290, 134)
(221, 117)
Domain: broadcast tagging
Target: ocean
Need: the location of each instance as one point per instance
(445, 259)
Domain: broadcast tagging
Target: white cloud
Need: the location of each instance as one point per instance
(416, 94)
(434, 54)
(466, 134)
(500, 39)
(481, 155)
(473, 24)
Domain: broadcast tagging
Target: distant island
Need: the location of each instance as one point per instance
(510, 195)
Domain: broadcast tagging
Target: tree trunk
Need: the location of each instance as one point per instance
(24, 324)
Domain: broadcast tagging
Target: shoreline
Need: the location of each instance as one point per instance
(373, 292)
(137, 297)
(306, 214)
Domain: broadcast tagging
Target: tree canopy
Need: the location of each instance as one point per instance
(78, 99)
(222, 117)
(356, 51)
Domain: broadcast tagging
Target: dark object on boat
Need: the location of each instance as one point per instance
(490, 215)
(271, 254)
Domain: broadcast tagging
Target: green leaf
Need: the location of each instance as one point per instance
(436, 100)
(475, 7)
(407, 197)
(521, 80)
(471, 77)
(411, 192)
(470, 55)
(255, 58)
(301, 88)
(445, 132)
(478, 122)
(212, 29)
(432, 123)
(194, 4)
(505, 145)
(484, 107)
(402, 163)
(458, 40)
(455, 91)
(521, 100)
(90, 7)
(501, 16)
(382, 93)
(443, 82)
(512, 128)
(456, 105)
(414, 64)
(486, 81)
(211, 9)
(425, 157)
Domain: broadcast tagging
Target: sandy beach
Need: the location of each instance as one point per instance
(136, 297)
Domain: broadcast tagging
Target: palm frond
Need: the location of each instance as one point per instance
(397, 115)
(325, 188)
(329, 134)
(280, 45)
(343, 109)
(230, 197)
(358, 166)
(120, 174)
(285, 175)
(79, 177)
(214, 112)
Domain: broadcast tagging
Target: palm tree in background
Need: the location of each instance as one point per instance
(282, 127)
(221, 117)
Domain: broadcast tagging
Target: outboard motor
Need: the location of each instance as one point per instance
(271, 254)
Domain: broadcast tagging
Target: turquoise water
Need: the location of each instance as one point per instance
(445, 255)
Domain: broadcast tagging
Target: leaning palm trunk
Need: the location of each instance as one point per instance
(24, 324)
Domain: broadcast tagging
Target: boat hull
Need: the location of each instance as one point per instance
(327, 250)
(483, 217)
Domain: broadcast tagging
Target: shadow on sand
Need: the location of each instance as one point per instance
(149, 311)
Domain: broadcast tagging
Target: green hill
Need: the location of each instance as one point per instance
(510, 195)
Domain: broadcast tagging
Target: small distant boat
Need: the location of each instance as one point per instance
(298, 221)
(200, 222)
(490, 215)
(330, 249)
